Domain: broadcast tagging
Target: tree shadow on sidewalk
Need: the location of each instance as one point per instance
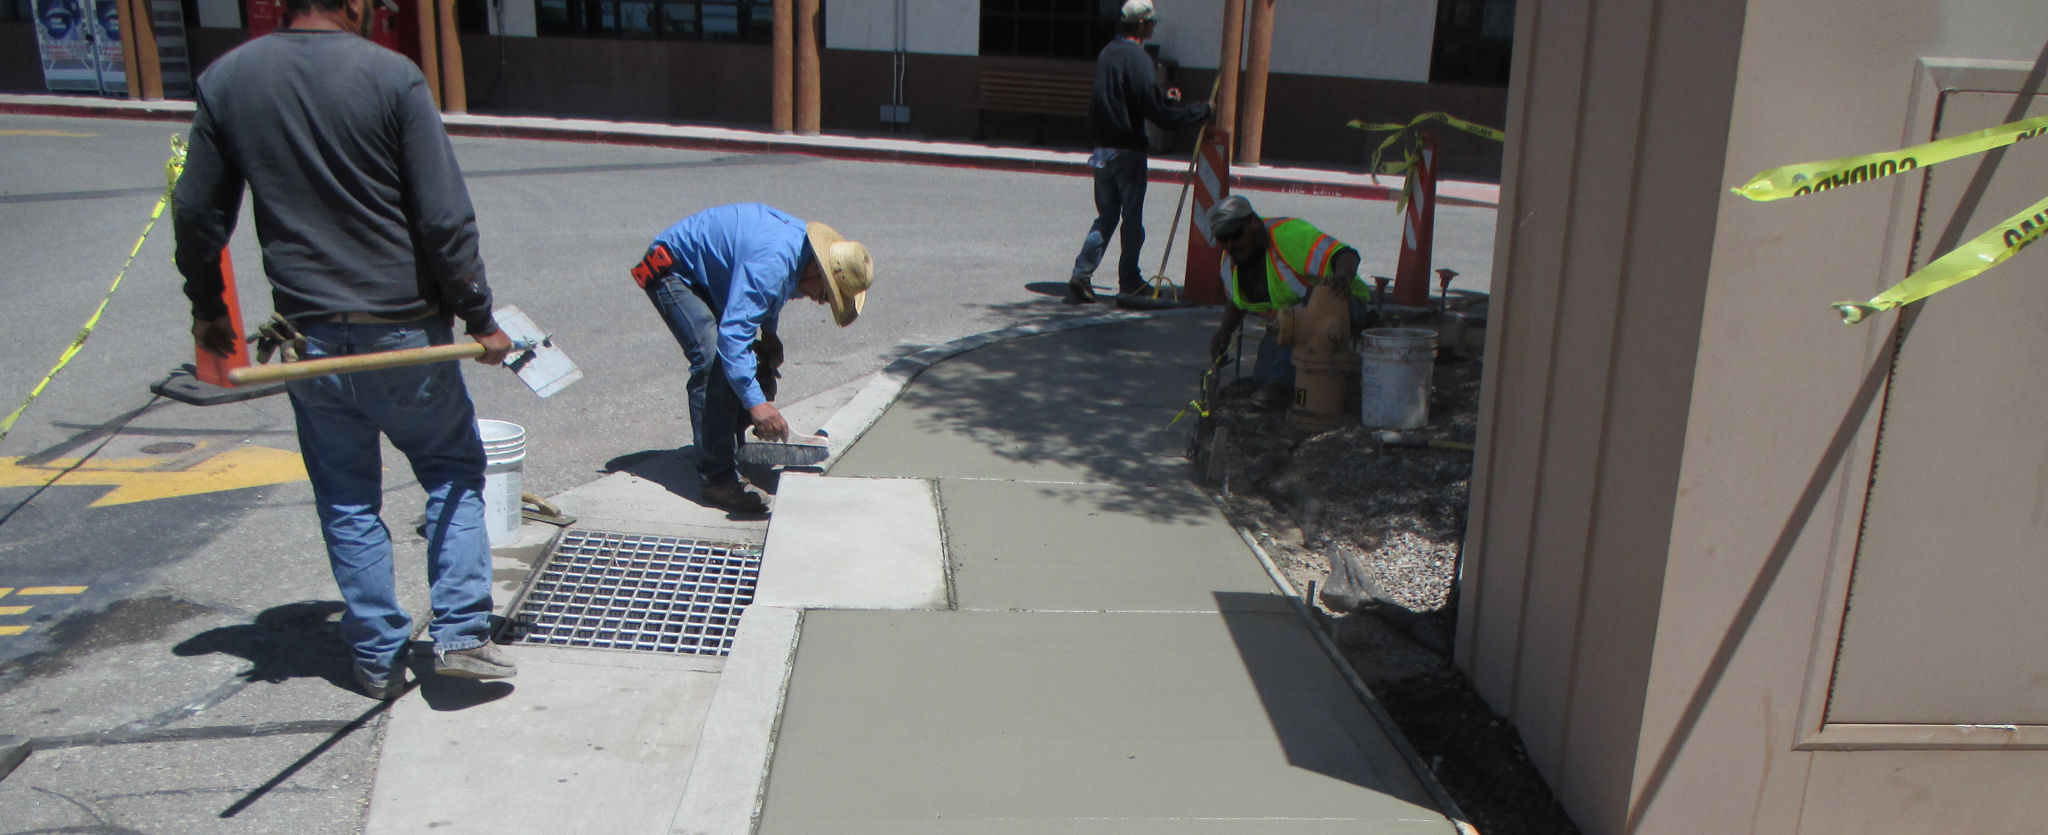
(1091, 404)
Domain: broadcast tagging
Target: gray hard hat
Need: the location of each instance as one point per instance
(1229, 216)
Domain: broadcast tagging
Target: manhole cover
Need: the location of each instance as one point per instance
(639, 592)
(169, 448)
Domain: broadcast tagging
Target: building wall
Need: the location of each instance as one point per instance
(930, 27)
(1679, 438)
(1604, 234)
(1333, 61)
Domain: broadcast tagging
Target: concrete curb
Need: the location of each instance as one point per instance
(729, 777)
(1305, 181)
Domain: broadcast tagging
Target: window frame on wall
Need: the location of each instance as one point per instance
(1047, 28)
(734, 21)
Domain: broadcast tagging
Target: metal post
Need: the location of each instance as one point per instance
(1233, 59)
(1253, 136)
(454, 93)
(807, 98)
(784, 71)
(430, 56)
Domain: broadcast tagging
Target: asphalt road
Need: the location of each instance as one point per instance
(164, 631)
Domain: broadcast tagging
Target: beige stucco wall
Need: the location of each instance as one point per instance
(1677, 433)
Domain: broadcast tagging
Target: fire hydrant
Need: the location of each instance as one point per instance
(1320, 334)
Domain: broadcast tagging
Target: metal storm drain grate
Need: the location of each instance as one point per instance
(639, 592)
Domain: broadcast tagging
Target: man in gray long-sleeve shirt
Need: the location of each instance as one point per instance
(370, 244)
(1126, 95)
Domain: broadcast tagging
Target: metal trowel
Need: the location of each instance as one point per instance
(539, 364)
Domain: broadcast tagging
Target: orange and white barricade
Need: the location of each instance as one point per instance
(1418, 228)
(1203, 280)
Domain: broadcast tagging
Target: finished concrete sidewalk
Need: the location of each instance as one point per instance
(1006, 609)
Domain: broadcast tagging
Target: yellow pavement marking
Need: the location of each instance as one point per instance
(137, 480)
(15, 610)
(12, 630)
(30, 132)
(4, 591)
(51, 590)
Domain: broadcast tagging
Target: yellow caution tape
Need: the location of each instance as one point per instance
(1809, 177)
(1959, 265)
(1411, 154)
(172, 168)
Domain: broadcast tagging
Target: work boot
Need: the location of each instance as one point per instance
(1269, 397)
(391, 686)
(734, 496)
(1081, 289)
(483, 661)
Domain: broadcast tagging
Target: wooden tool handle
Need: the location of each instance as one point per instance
(281, 372)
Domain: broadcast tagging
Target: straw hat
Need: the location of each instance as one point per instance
(848, 271)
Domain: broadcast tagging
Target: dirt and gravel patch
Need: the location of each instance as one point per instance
(1312, 498)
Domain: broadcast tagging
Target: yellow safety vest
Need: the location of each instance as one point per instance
(1296, 260)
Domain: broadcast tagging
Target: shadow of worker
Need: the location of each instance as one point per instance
(295, 640)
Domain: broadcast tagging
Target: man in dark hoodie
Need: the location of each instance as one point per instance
(370, 244)
(1127, 94)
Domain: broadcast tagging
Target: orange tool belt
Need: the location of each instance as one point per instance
(654, 265)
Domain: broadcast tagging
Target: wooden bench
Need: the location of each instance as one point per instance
(1038, 94)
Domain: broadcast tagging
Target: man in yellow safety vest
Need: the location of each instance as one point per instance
(1271, 264)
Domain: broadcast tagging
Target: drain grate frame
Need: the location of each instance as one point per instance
(638, 592)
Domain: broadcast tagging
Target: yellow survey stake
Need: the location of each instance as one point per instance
(1809, 177)
(1959, 265)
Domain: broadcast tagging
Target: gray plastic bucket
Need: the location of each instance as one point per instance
(1394, 366)
(504, 452)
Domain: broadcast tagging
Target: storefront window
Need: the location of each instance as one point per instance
(1473, 42)
(743, 21)
(1047, 28)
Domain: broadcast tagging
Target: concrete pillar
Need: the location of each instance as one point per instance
(1251, 139)
(1227, 68)
(784, 71)
(454, 93)
(430, 57)
(807, 79)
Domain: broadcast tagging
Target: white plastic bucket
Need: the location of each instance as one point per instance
(1394, 366)
(504, 451)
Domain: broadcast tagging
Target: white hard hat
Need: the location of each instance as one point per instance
(1138, 11)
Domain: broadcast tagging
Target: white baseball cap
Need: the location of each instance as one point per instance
(1138, 11)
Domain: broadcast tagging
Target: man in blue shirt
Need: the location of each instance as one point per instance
(719, 279)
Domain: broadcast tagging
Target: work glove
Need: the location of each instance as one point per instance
(278, 336)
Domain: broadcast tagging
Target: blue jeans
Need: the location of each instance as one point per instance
(1275, 365)
(714, 406)
(426, 412)
(1119, 197)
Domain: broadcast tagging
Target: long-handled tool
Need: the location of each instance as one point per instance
(1159, 282)
(535, 359)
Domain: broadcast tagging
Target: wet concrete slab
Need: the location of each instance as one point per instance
(1063, 547)
(998, 722)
